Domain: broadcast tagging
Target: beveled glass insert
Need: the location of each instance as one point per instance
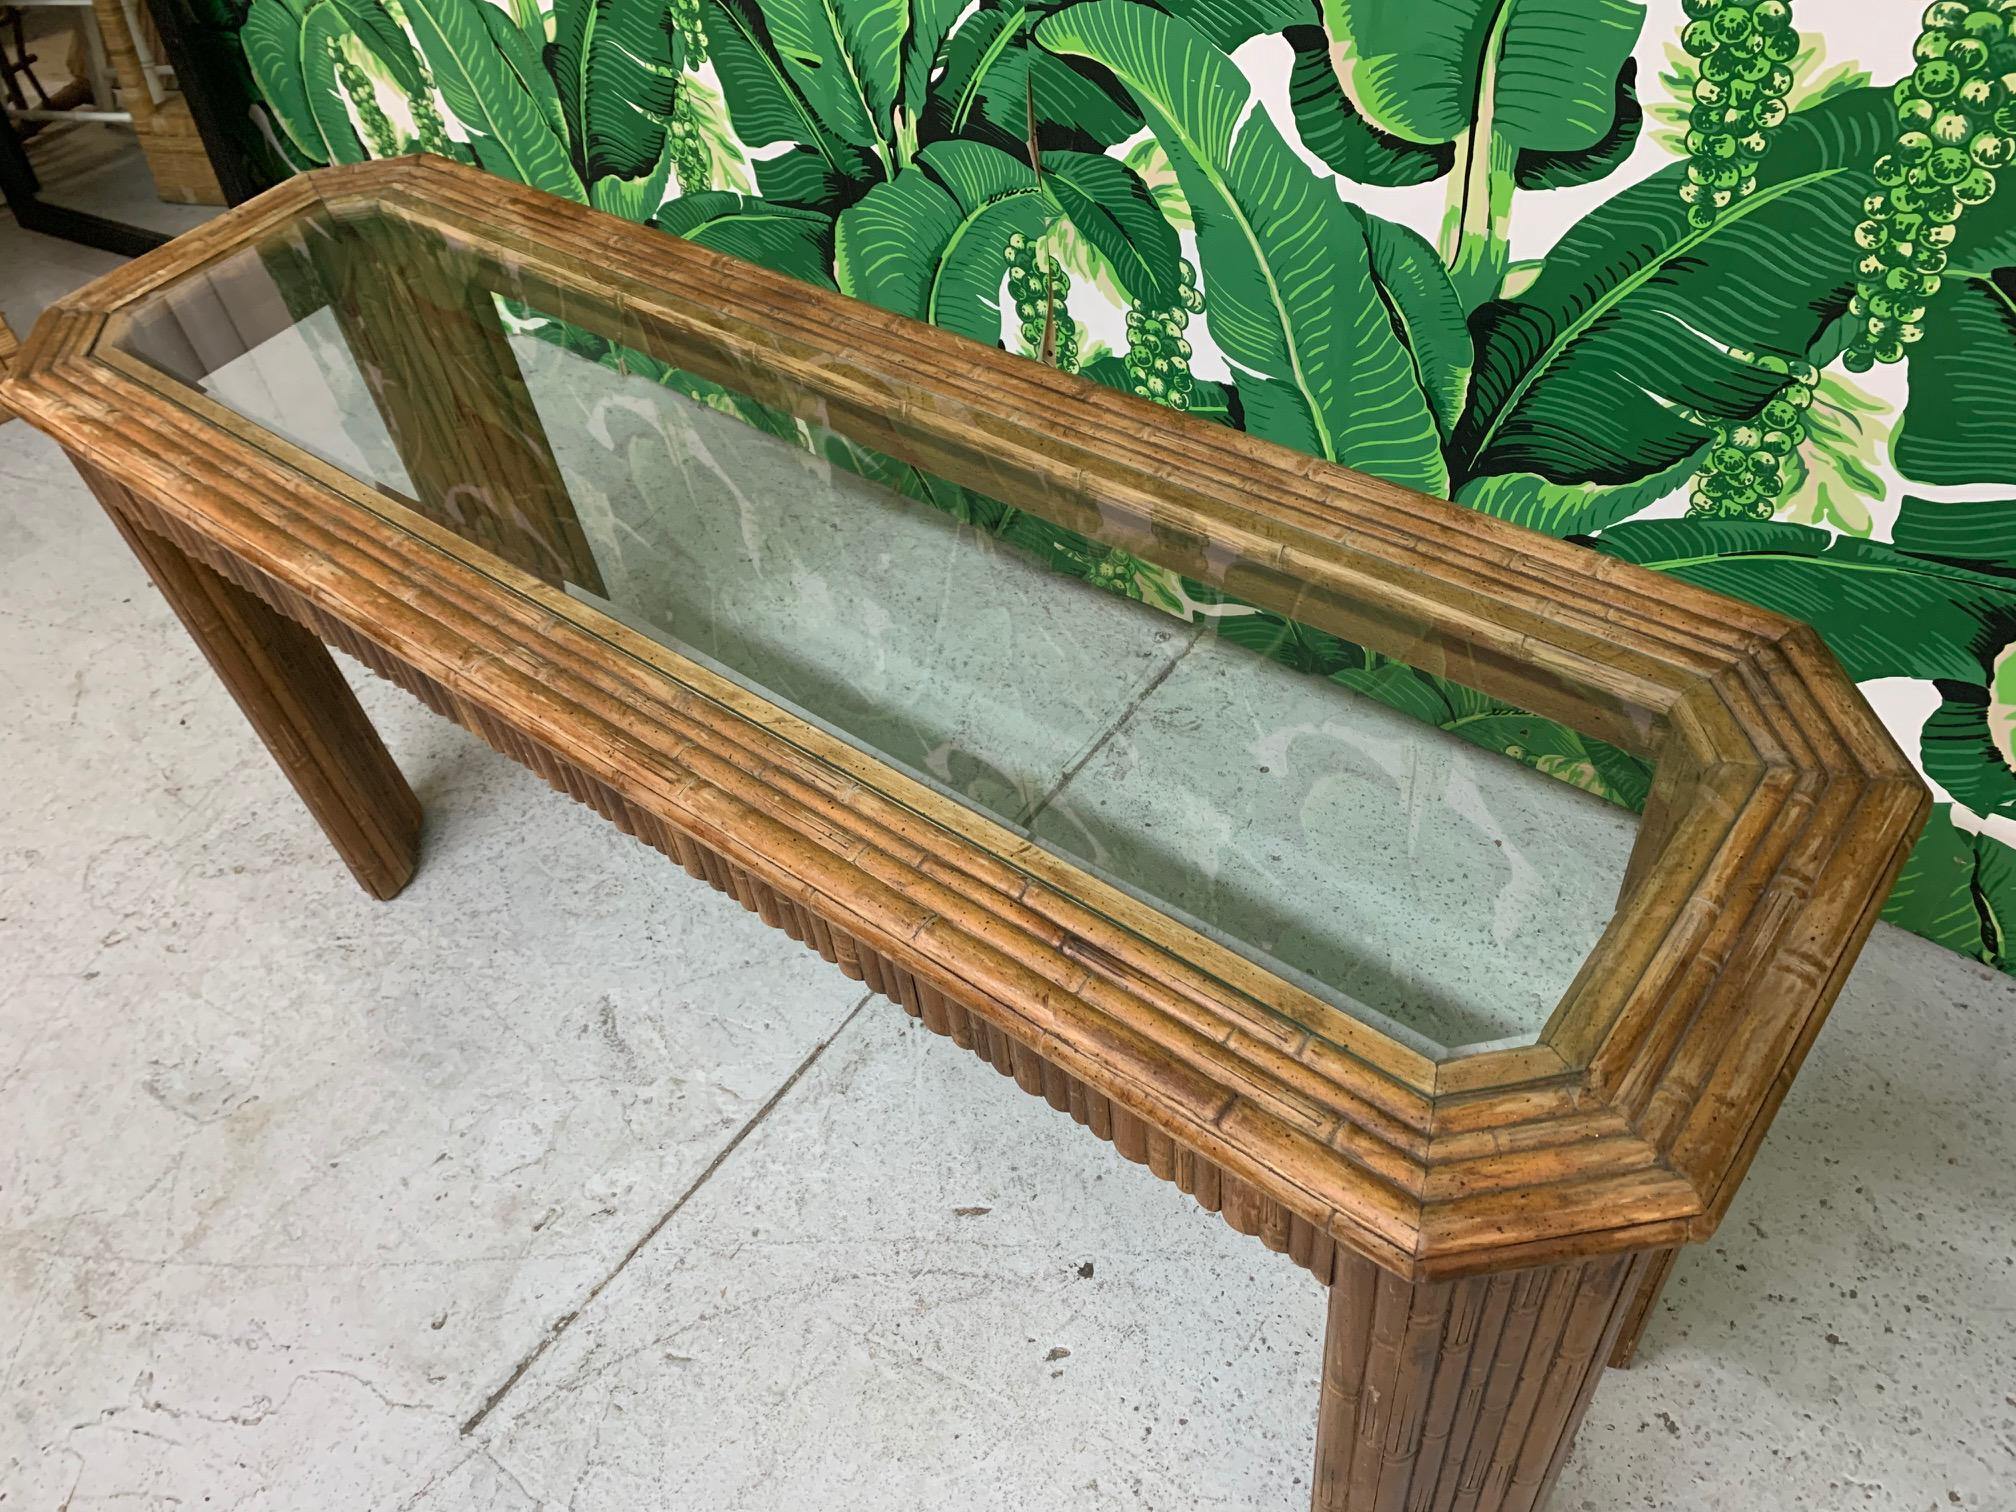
(1337, 817)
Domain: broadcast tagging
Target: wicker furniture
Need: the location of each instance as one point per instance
(8, 347)
(1491, 1220)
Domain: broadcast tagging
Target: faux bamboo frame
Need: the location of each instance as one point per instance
(1492, 1224)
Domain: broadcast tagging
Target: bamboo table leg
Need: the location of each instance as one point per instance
(458, 409)
(1461, 1396)
(296, 698)
(1643, 1305)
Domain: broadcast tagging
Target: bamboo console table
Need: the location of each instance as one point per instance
(1491, 1219)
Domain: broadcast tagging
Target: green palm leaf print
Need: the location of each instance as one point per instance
(323, 29)
(929, 243)
(1959, 889)
(861, 64)
(1956, 427)
(1427, 315)
(1107, 201)
(1639, 326)
(783, 238)
(509, 133)
(1886, 612)
(272, 41)
(1492, 79)
(1539, 73)
(992, 74)
(616, 64)
(1293, 300)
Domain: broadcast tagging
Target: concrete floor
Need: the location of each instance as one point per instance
(562, 1182)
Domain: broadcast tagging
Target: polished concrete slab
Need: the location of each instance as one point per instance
(561, 1182)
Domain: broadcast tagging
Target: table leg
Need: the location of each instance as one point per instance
(441, 371)
(1460, 1396)
(1643, 1304)
(295, 697)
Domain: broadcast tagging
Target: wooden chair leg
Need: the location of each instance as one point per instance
(1461, 1396)
(296, 698)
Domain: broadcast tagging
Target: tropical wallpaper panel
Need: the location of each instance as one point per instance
(1726, 288)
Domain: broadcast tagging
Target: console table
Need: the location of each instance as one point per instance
(766, 577)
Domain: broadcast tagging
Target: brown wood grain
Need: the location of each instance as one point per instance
(1460, 1396)
(1644, 1303)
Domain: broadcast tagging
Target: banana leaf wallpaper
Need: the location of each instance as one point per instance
(1726, 288)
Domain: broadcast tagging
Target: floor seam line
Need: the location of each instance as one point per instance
(1099, 742)
(567, 1320)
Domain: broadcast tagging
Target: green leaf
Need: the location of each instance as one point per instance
(1885, 612)
(1987, 237)
(1834, 477)
(385, 39)
(1558, 751)
(1956, 426)
(1964, 745)
(702, 105)
(1570, 509)
(1289, 642)
(509, 134)
(985, 77)
(1958, 889)
(1542, 74)
(1292, 295)
(801, 176)
(1331, 127)
(929, 243)
(523, 58)
(1604, 369)
(924, 26)
(1147, 159)
(271, 37)
(636, 198)
(1427, 316)
(1979, 532)
(1535, 168)
(782, 238)
(1399, 686)
(845, 56)
(1112, 208)
(765, 106)
(323, 29)
(1226, 24)
(992, 73)
(616, 64)
(1495, 79)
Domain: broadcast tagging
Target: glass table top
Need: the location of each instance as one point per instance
(1342, 820)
